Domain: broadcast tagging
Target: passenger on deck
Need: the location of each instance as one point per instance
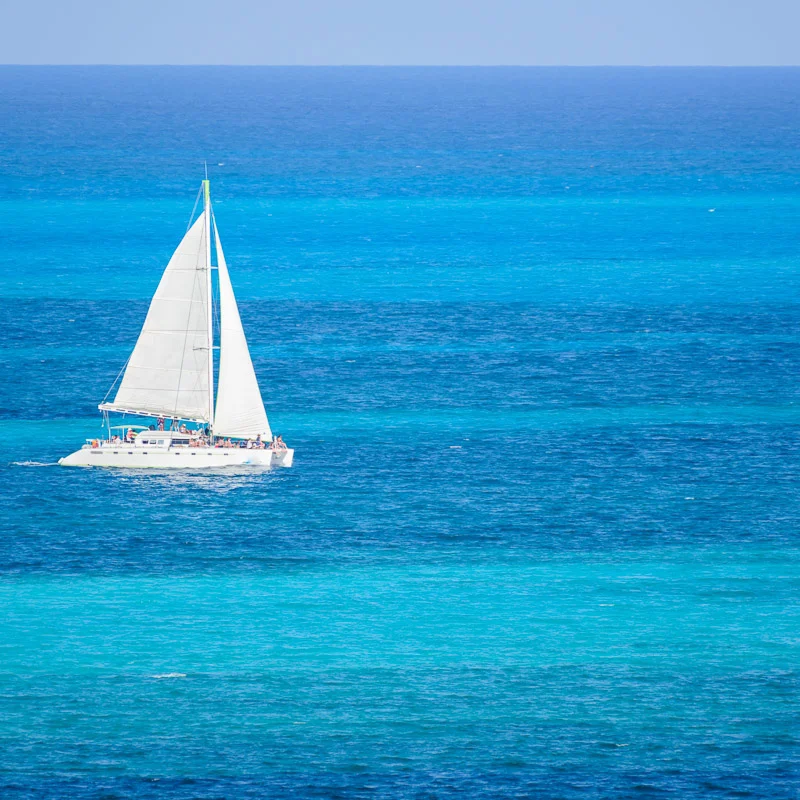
(281, 443)
(130, 435)
(183, 428)
(160, 423)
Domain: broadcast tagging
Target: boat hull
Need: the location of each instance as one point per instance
(171, 458)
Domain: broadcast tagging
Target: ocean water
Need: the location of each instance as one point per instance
(534, 336)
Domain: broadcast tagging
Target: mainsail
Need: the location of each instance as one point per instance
(240, 409)
(169, 373)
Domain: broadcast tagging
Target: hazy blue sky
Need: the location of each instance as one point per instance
(400, 32)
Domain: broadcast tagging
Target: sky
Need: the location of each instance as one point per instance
(400, 32)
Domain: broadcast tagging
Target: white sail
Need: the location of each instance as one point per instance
(240, 409)
(168, 372)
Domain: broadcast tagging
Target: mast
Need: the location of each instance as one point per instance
(209, 317)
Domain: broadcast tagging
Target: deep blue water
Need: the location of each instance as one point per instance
(541, 537)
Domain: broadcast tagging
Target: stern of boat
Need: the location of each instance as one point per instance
(283, 458)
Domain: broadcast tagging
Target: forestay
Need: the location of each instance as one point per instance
(240, 409)
(168, 371)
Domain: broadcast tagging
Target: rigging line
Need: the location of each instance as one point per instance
(216, 319)
(209, 298)
(124, 367)
(194, 208)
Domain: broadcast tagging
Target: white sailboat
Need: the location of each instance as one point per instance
(169, 376)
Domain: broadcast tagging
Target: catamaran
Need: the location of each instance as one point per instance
(169, 376)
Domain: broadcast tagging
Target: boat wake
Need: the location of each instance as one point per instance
(170, 675)
(220, 480)
(34, 463)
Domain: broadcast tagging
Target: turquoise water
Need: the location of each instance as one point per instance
(541, 536)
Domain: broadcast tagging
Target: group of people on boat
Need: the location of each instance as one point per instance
(173, 426)
(197, 438)
(258, 443)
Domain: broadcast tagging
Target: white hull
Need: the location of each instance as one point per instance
(176, 458)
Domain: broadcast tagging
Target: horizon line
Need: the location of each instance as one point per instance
(419, 66)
